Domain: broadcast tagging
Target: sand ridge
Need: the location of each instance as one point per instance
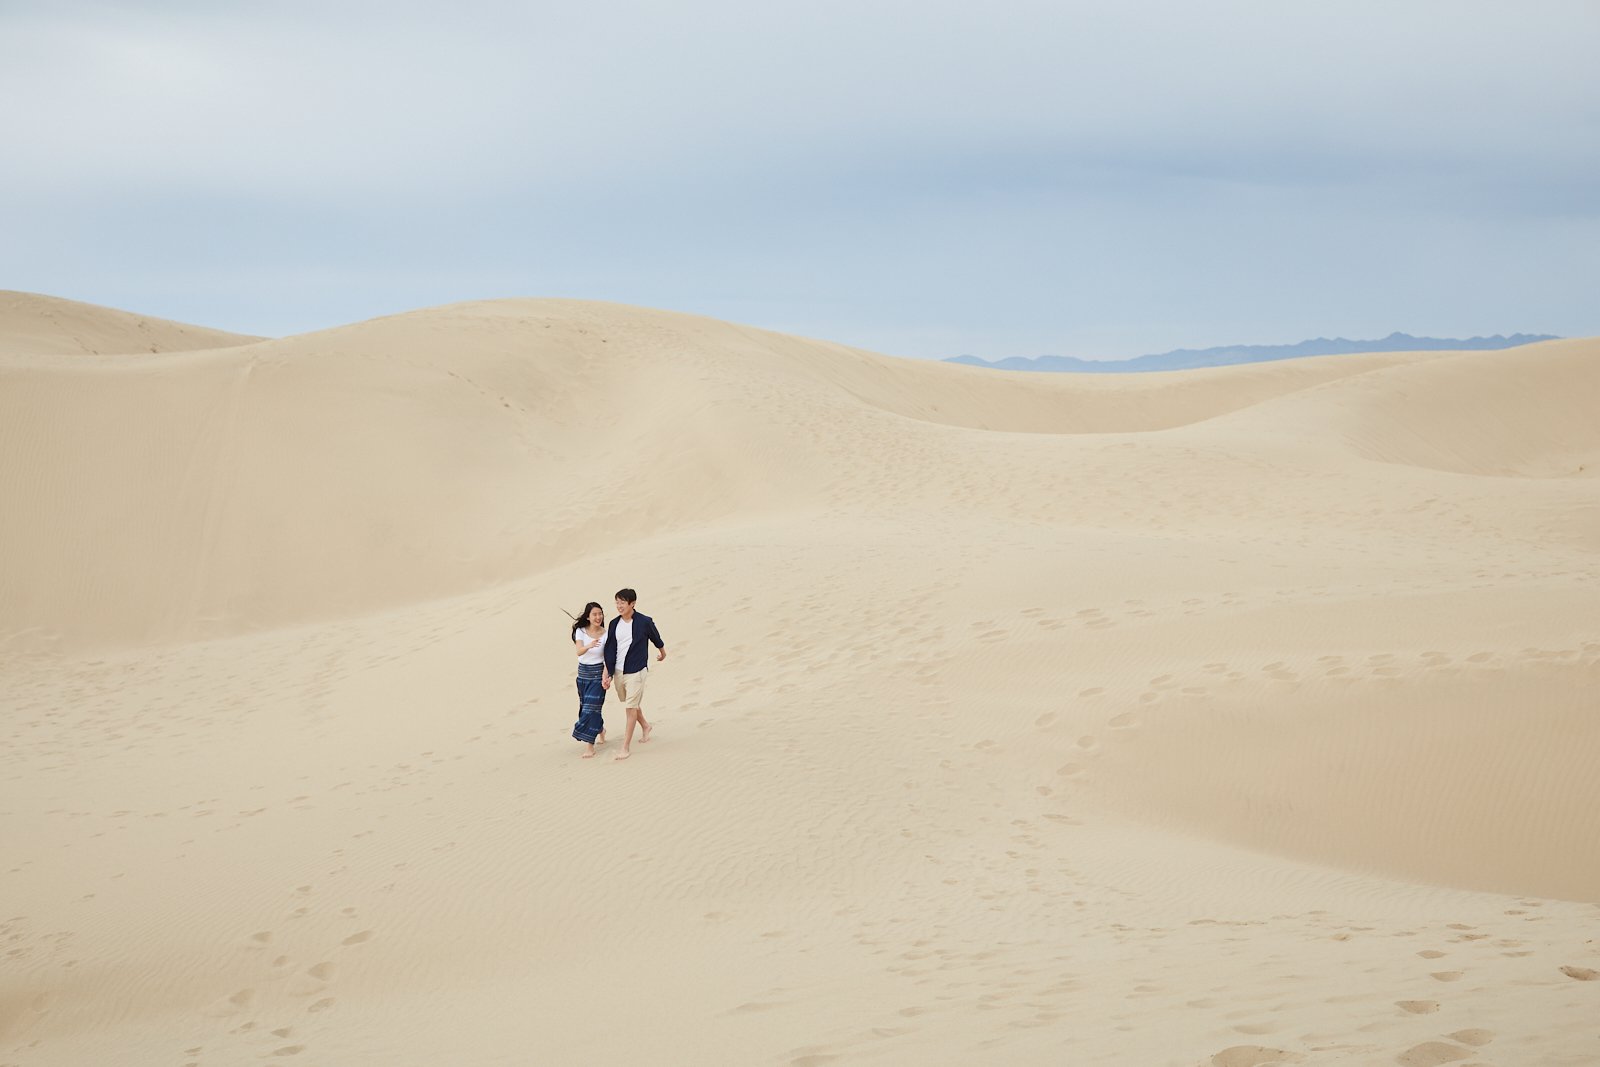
(1222, 717)
(35, 325)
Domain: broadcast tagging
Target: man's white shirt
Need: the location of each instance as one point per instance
(624, 640)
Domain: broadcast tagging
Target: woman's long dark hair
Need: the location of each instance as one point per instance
(581, 622)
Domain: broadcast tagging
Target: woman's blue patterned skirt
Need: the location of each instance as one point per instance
(591, 700)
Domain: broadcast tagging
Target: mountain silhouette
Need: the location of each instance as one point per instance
(1187, 358)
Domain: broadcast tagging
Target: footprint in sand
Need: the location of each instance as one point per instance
(1447, 976)
(1418, 1007)
(313, 981)
(755, 1005)
(1475, 1037)
(1253, 1056)
(1091, 692)
(1582, 974)
(234, 1004)
(1122, 722)
(356, 939)
(1432, 1054)
(812, 1059)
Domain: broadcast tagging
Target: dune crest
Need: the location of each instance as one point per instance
(36, 325)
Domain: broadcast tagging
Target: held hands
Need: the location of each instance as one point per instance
(605, 683)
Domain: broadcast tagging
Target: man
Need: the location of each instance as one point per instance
(627, 656)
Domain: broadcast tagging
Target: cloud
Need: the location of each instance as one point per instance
(832, 155)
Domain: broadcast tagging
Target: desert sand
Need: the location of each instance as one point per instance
(1230, 717)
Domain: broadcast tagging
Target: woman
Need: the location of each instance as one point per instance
(588, 641)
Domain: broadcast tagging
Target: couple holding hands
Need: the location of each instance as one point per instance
(613, 657)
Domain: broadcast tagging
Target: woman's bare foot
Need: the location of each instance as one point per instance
(588, 752)
(601, 739)
(624, 754)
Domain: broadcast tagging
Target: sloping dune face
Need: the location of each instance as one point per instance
(1187, 718)
(364, 467)
(442, 451)
(1528, 412)
(36, 325)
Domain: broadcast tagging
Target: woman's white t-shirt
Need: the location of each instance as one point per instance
(595, 654)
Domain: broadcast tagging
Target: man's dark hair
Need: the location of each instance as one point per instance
(627, 594)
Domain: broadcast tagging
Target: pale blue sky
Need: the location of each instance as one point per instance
(926, 179)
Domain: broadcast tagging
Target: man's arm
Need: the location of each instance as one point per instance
(655, 638)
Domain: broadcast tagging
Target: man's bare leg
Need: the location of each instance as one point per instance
(627, 735)
(644, 726)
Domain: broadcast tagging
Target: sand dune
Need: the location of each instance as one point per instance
(1485, 413)
(31, 324)
(1238, 716)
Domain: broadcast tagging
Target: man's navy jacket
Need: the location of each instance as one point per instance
(644, 630)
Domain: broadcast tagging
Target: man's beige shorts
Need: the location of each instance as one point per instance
(629, 688)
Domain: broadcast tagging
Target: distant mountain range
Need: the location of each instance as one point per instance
(1186, 358)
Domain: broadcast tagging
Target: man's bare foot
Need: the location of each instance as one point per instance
(646, 736)
(624, 754)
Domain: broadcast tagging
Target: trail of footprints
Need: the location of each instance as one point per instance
(286, 989)
(1478, 947)
(1032, 982)
(1475, 948)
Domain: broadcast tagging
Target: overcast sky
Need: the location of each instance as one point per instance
(1098, 179)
